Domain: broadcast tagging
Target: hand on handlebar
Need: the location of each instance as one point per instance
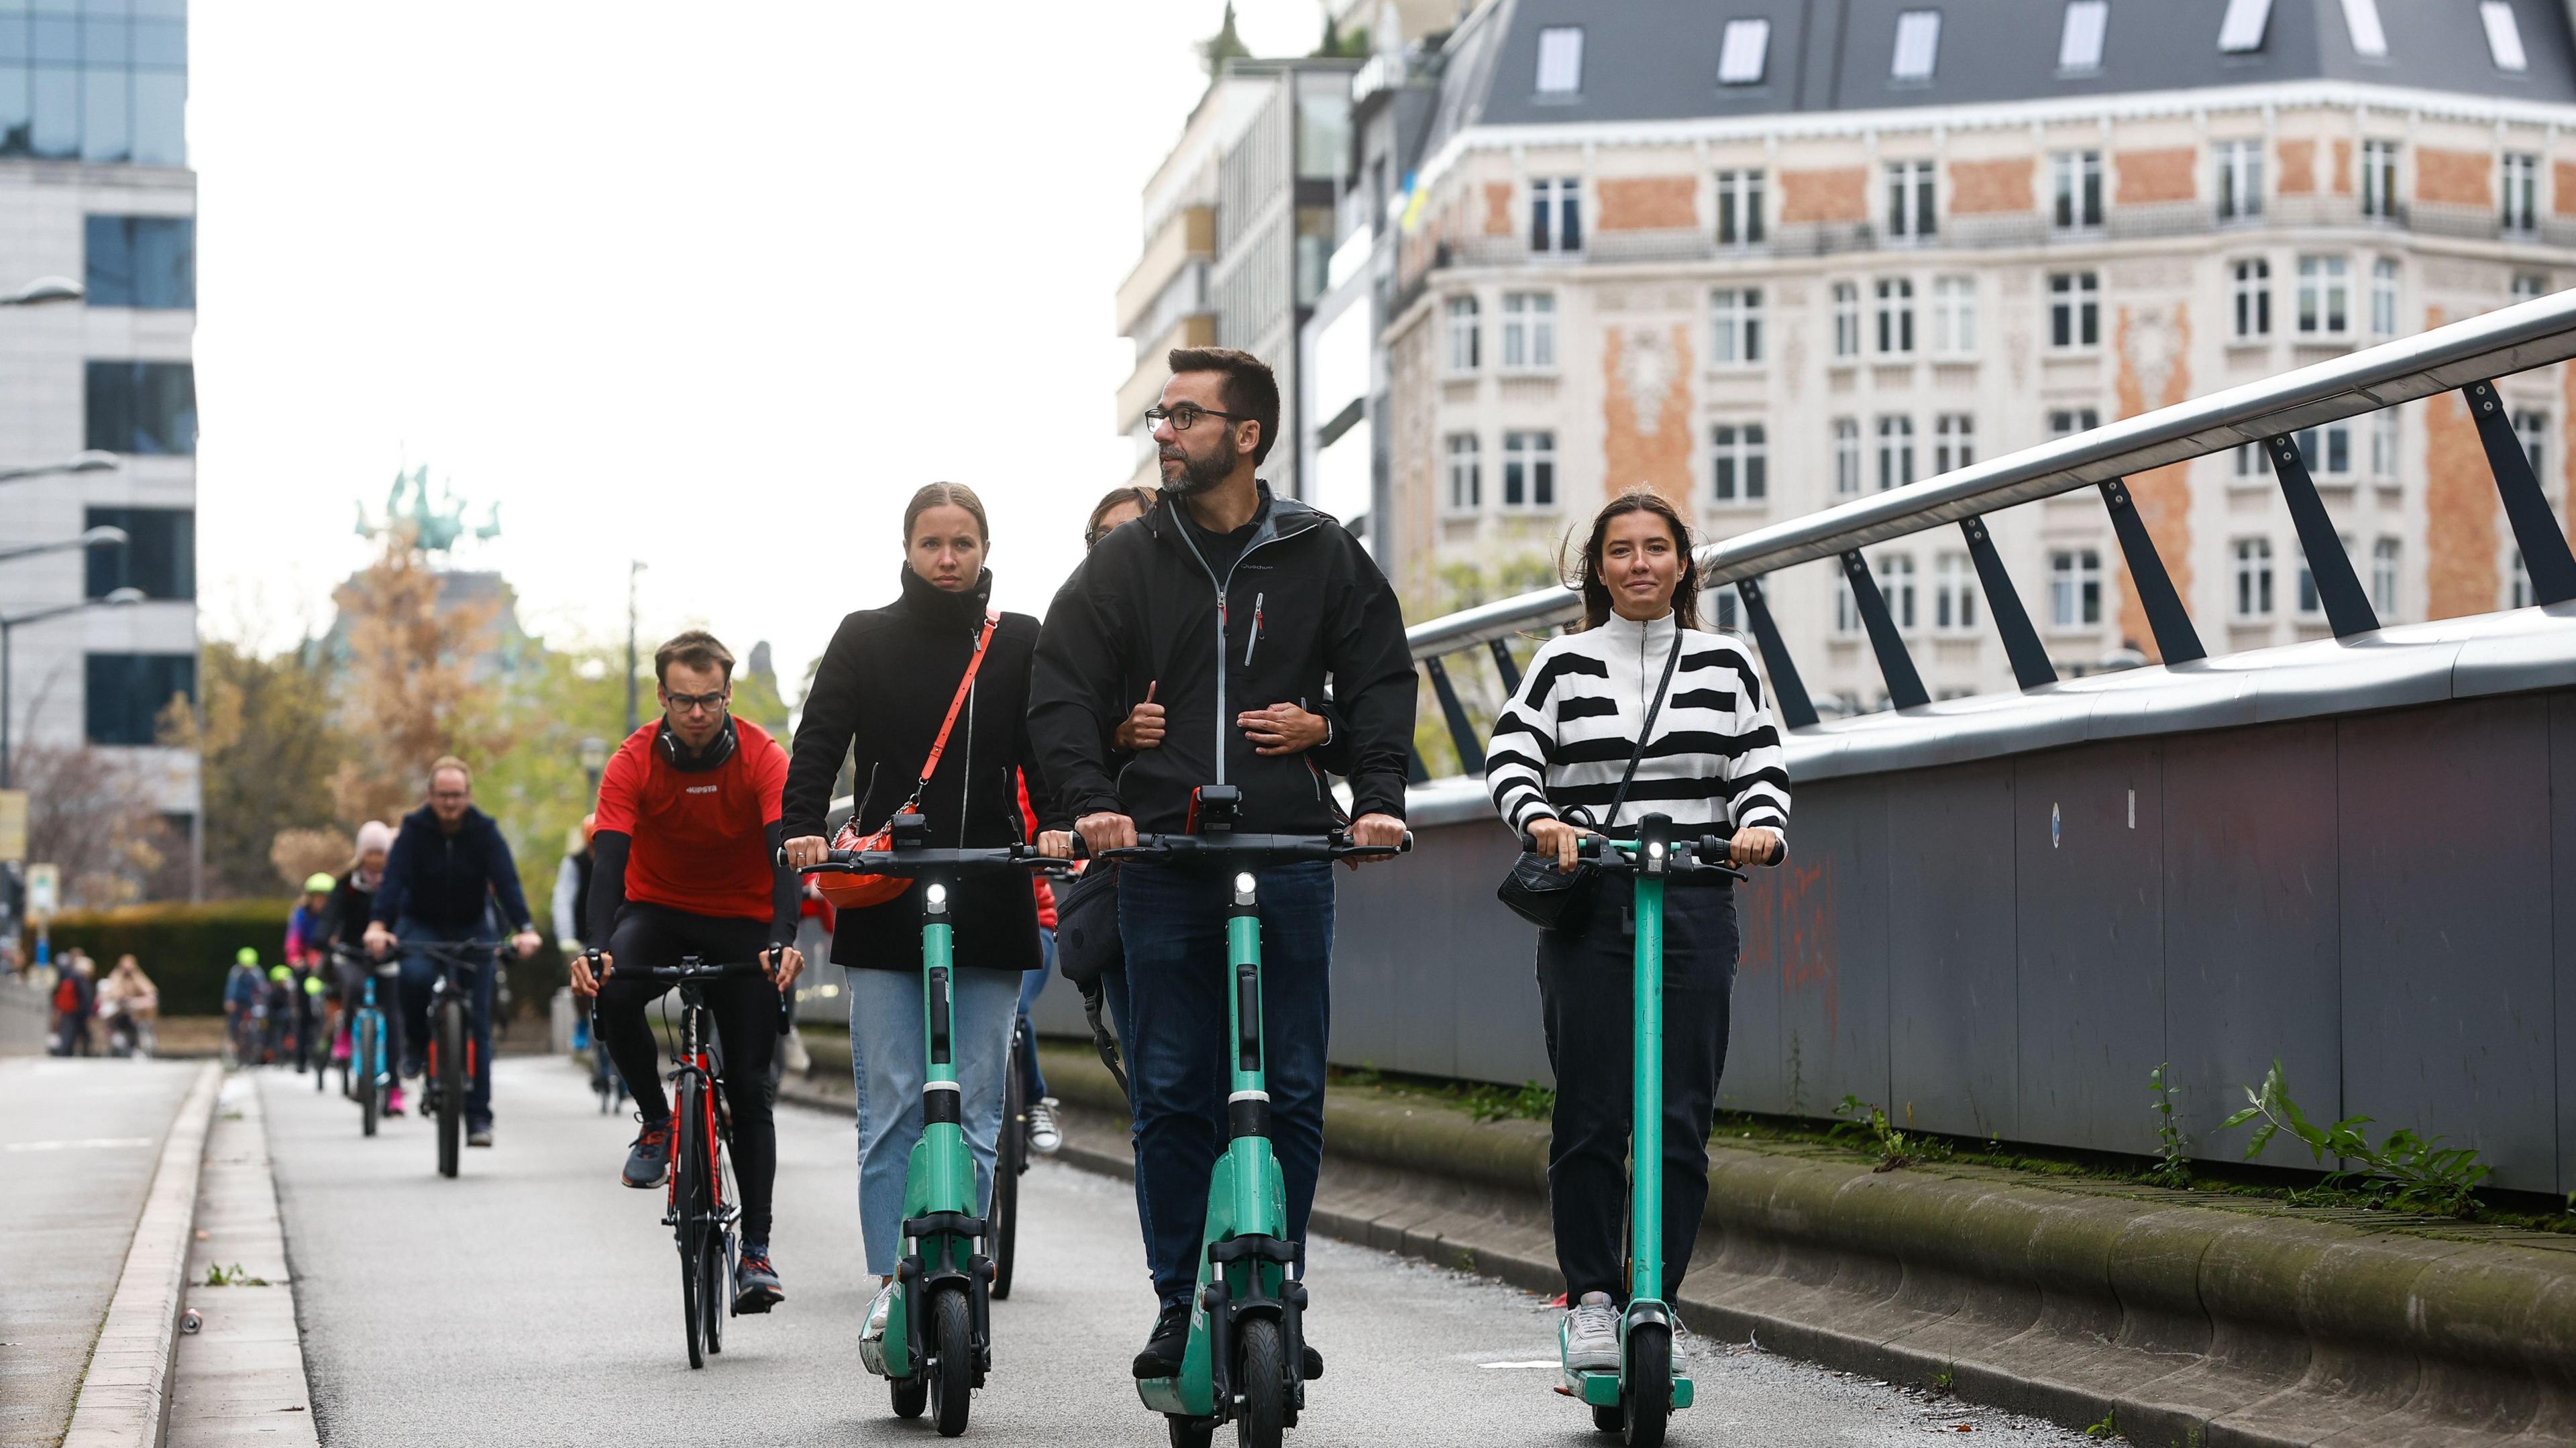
(1106, 831)
(526, 943)
(380, 940)
(807, 850)
(1556, 837)
(1754, 845)
(1374, 831)
(784, 963)
(1056, 844)
(584, 980)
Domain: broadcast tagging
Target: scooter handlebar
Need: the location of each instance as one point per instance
(1708, 852)
(1277, 849)
(909, 862)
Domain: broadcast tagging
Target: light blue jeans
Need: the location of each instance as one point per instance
(889, 1058)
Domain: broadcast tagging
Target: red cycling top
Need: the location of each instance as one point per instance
(706, 850)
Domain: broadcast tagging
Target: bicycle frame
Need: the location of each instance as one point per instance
(693, 1061)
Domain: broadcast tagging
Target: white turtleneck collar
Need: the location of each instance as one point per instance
(1632, 633)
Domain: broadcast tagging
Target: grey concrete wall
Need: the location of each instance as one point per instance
(2386, 902)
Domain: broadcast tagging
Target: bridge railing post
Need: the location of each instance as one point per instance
(2329, 566)
(1895, 665)
(2176, 640)
(2029, 657)
(2545, 556)
(1788, 691)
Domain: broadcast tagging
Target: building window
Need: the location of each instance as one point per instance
(2074, 309)
(1529, 470)
(2252, 294)
(1529, 331)
(1560, 60)
(2240, 180)
(2517, 582)
(1846, 456)
(1465, 335)
(2327, 450)
(1735, 326)
(1846, 606)
(2361, 22)
(2068, 421)
(2521, 192)
(1741, 52)
(126, 693)
(2079, 38)
(1896, 585)
(1954, 316)
(2325, 296)
(2310, 601)
(2504, 37)
(1846, 319)
(1466, 473)
(2383, 443)
(2379, 178)
(2074, 588)
(2527, 285)
(1724, 610)
(145, 262)
(1895, 451)
(2383, 578)
(145, 408)
(2242, 29)
(1896, 316)
(1556, 215)
(1918, 45)
(1738, 466)
(1954, 593)
(159, 556)
(2383, 297)
(2253, 578)
(1910, 197)
(102, 89)
(1739, 206)
(2532, 426)
(1954, 441)
(2077, 176)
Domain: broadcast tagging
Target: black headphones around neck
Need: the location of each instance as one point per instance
(718, 750)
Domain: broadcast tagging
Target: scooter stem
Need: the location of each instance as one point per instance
(1248, 1099)
(1646, 1135)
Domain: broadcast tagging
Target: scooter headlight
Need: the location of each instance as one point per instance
(1656, 849)
(937, 895)
(1243, 883)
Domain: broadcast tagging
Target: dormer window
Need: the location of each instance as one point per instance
(1560, 60)
(2241, 32)
(1742, 52)
(2504, 36)
(1918, 45)
(2079, 43)
(2361, 21)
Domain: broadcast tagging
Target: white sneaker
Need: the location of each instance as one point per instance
(1044, 1136)
(872, 1336)
(1685, 1346)
(1588, 1338)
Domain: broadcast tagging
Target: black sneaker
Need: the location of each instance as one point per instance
(649, 1159)
(479, 1135)
(755, 1284)
(1164, 1346)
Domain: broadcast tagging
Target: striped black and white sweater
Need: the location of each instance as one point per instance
(1714, 764)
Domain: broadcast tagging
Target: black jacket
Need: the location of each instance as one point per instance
(1303, 604)
(345, 915)
(878, 697)
(443, 879)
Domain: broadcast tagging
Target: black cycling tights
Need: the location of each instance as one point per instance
(746, 1012)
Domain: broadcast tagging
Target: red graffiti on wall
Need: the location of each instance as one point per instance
(1789, 927)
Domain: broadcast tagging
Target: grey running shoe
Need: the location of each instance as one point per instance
(649, 1158)
(755, 1284)
(1588, 1338)
(1044, 1136)
(478, 1136)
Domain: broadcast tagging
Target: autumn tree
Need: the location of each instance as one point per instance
(93, 817)
(407, 678)
(267, 750)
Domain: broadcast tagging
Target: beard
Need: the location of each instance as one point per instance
(1197, 474)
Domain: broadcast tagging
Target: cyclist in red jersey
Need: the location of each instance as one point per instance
(686, 849)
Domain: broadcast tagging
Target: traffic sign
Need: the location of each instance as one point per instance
(44, 889)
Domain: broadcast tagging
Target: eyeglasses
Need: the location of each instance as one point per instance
(1182, 415)
(691, 703)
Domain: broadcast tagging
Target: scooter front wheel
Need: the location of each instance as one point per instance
(1264, 1381)
(952, 1372)
(1648, 1403)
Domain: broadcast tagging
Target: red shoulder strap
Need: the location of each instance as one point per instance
(965, 686)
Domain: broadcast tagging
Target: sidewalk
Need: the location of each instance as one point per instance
(78, 1146)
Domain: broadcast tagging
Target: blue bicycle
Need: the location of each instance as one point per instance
(370, 1081)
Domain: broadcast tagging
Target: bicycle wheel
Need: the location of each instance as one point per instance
(717, 1298)
(449, 1044)
(1010, 1159)
(688, 1198)
(952, 1370)
(1262, 1378)
(362, 1057)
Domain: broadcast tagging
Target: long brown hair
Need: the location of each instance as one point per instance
(940, 495)
(1585, 576)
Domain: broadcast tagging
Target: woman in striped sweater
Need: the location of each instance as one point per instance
(1713, 763)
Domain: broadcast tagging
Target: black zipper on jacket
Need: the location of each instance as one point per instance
(1270, 535)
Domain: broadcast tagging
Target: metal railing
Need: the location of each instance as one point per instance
(2464, 356)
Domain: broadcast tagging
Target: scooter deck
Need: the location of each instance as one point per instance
(1163, 1395)
(1601, 1390)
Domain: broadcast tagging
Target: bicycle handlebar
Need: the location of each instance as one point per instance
(1280, 849)
(691, 968)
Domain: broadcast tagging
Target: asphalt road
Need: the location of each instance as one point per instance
(535, 1301)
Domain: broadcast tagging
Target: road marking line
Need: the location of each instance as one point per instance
(1533, 1363)
(124, 1399)
(86, 1144)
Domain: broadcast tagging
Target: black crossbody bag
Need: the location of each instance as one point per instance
(1553, 899)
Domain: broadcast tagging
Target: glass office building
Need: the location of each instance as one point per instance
(103, 81)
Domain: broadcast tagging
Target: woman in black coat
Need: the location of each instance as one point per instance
(878, 698)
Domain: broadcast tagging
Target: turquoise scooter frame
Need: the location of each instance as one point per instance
(1636, 1401)
(938, 1343)
(1246, 1347)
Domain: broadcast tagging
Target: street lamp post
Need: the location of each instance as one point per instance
(90, 461)
(634, 720)
(45, 289)
(118, 599)
(594, 761)
(99, 537)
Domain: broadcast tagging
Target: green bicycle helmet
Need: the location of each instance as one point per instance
(246, 956)
(319, 884)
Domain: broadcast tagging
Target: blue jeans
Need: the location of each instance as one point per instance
(1032, 983)
(418, 972)
(1172, 921)
(889, 1059)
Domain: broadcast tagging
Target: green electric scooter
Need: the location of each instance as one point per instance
(1636, 1401)
(1247, 1337)
(938, 1342)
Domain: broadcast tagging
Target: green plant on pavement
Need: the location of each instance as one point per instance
(218, 1275)
(1528, 1101)
(2109, 1427)
(2173, 1165)
(2405, 1172)
(1863, 1119)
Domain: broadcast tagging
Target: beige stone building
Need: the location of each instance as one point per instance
(1763, 257)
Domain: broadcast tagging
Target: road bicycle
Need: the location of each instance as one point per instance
(1244, 1359)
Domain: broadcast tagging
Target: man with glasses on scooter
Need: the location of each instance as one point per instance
(685, 850)
(449, 864)
(1223, 601)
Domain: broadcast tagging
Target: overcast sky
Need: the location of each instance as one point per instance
(712, 287)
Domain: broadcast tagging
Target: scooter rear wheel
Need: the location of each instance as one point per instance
(911, 1395)
(1262, 1375)
(1190, 1432)
(952, 1371)
(1648, 1403)
(1607, 1418)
